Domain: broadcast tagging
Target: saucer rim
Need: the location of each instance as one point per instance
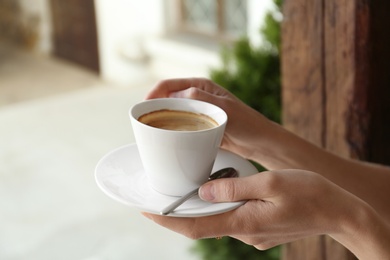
(220, 207)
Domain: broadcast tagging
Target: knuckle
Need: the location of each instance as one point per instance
(228, 191)
(261, 247)
(260, 243)
(195, 232)
(272, 181)
(200, 80)
(162, 82)
(265, 246)
(193, 92)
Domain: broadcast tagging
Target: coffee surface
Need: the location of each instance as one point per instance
(178, 120)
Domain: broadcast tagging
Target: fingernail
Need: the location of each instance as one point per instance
(206, 192)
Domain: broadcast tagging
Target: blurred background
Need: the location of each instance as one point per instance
(69, 72)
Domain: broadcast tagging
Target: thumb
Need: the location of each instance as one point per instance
(228, 190)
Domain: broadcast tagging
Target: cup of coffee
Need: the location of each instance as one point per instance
(178, 141)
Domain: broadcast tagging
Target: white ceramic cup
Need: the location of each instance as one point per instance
(177, 162)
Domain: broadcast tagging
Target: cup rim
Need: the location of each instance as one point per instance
(132, 115)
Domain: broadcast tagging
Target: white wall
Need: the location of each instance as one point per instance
(122, 27)
(131, 38)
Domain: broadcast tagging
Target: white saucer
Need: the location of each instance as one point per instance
(121, 176)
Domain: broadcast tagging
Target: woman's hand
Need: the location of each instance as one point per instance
(245, 126)
(282, 206)
(285, 205)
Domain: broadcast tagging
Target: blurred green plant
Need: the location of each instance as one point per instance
(229, 248)
(252, 73)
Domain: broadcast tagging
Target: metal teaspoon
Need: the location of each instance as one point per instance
(223, 173)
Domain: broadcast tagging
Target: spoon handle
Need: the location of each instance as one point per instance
(171, 207)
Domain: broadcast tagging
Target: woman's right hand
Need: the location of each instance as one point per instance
(283, 206)
(245, 125)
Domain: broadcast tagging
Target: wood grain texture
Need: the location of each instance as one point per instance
(302, 80)
(325, 60)
(302, 95)
(75, 32)
(339, 64)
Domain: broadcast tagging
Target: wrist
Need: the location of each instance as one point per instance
(247, 136)
(364, 232)
(276, 148)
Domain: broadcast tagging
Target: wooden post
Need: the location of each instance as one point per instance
(75, 33)
(336, 87)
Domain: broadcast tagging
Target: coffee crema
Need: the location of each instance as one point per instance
(178, 120)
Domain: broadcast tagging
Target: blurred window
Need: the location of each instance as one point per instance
(224, 19)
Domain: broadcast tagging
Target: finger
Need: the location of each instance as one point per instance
(266, 240)
(252, 240)
(256, 187)
(197, 228)
(165, 87)
(231, 190)
(199, 94)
